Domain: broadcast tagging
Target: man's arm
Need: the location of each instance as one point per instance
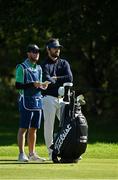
(20, 79)
(68, 77)
(46, 74)
(19, 85)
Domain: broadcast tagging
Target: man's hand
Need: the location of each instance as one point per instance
(45, 84)
(42, 85)
(37, 84)
(54, 77)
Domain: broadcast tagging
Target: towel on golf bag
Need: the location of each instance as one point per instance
(71, 140)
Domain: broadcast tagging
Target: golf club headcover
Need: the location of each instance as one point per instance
(67, 91)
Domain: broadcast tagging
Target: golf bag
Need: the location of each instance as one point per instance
(71, 140)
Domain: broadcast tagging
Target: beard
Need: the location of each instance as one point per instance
(54, 55)
(34, 59)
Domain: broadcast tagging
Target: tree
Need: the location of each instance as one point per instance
(88, 31)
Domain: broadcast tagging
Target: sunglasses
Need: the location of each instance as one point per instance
(35, 52)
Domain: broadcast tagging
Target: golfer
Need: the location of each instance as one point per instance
(57, 71)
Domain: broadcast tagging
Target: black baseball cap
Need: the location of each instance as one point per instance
(33, 48)
(53, 43)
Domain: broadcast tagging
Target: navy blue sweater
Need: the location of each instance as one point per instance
(59, 68)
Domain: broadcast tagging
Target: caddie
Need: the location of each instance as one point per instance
(29, 84)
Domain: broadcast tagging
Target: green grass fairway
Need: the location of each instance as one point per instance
(99, 162)
(90, 168)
